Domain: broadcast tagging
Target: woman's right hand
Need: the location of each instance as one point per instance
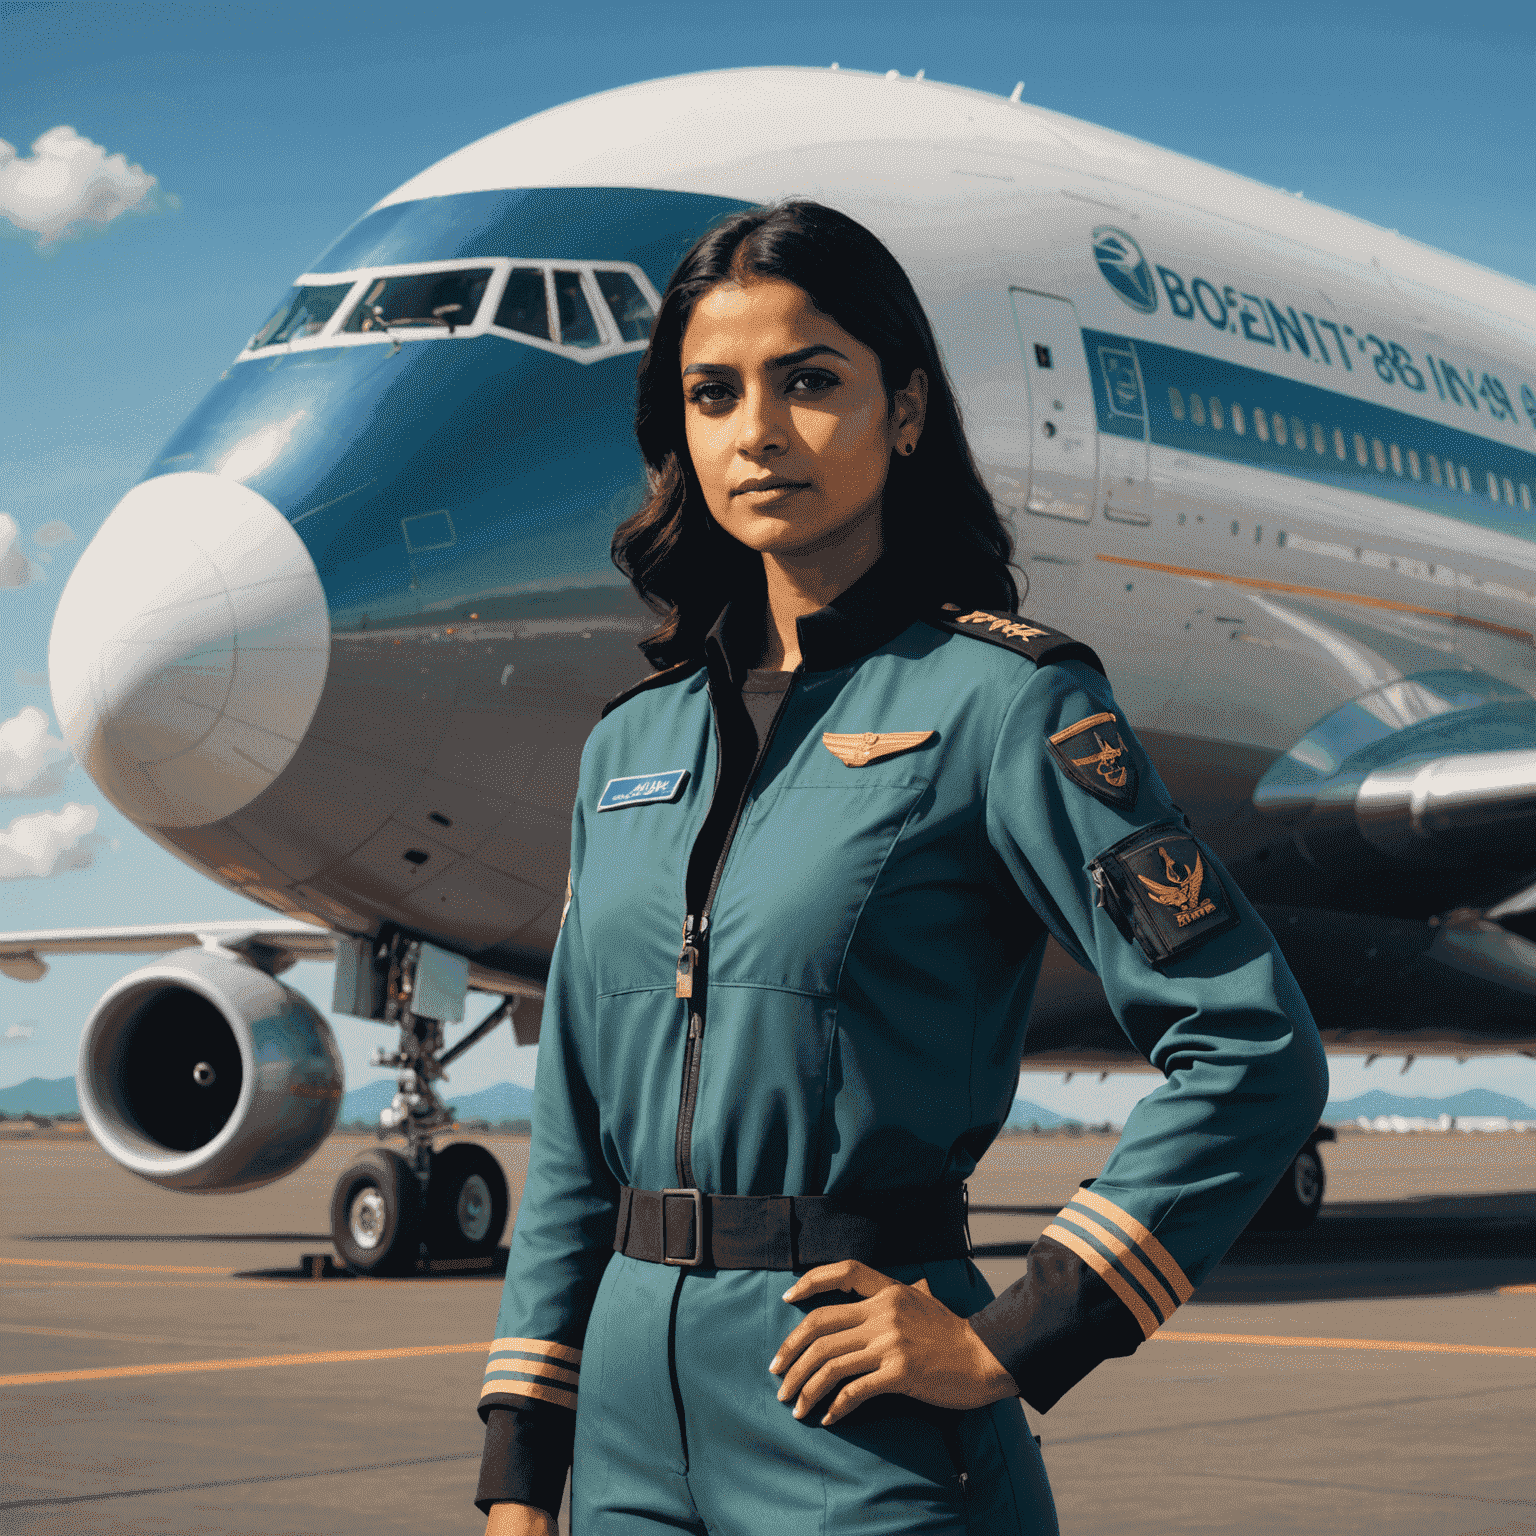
(520, 1520)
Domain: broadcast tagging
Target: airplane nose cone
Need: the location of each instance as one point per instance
(189, 650)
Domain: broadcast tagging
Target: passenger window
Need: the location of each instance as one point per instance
(1379, 454)
(1197, 410)
(1237, 419)
(631, 310)
(303, 313)
(1525, 497)
(1339, 450)
(577, 327)
(1260, 425)
(1299, 433)
(522, 306)
(1176, 403)
(439, 300)
(1396, 455)
(1319, 439)
(1216, 417)
(1279, 428)
(1413, 464)
(1466, 480)
(1434, 468)
(1362, 457)
(1509, 491)
(1493, 486)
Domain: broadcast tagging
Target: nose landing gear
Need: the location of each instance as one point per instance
(391, 1208)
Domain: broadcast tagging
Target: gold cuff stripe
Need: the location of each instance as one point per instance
(535, 1389)
(1109, 1274)
(1082, 725)
(540, 1347)
(1162, 1303)
(1151, 1250)
(533, 1368)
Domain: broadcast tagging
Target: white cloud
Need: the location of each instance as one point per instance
(68, 182)
(32, 763)
(50, 843)
(15, 569)
(52, 534)
(21, 1031)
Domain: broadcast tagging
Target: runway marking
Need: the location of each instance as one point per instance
(1516, 1290)
(161, 1285)
(153, 1269)
(242, 1363)
(87, 1333)
(1400, 1346)
(236, 1482)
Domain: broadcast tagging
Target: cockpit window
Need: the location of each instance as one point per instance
(632, 311)
(439, 299)
(522, 306)
(303, 313)
(577, 327)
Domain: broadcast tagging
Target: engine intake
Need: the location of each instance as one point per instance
(203, 1073)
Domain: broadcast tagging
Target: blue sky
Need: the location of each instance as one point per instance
(270, 127)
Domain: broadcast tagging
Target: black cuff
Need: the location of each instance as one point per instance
(1051, 1328)
(526, 1458)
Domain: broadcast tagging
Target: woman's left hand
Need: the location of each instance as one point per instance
(898, 1338)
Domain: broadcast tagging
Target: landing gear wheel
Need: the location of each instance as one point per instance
(1293, 1204)
(376, 1214)
(466, 1202)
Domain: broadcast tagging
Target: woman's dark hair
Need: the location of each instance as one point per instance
(940, 525)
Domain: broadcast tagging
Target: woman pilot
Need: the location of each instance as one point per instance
(815, 859)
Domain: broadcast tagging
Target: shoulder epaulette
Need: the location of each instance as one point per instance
(1025, 637)
(673, 674)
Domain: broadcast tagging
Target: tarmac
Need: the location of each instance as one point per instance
(165, 1366)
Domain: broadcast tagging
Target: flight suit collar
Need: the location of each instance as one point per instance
(859, 620)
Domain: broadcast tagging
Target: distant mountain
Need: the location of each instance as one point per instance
(41, 1096)
(1471, 1101)
(1026, 1113)
(504, 1101)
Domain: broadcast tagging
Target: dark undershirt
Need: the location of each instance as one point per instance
(761, 692)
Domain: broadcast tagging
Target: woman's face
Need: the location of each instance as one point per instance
(788, 424)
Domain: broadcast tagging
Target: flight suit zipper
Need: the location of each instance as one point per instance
(693, 960)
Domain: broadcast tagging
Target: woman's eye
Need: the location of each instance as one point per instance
(812, 381)
(708, 394)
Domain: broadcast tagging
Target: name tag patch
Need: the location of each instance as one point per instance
(643, 789)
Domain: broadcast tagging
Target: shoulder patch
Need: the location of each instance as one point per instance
(1025, 637)
(1162, 893)
(1093, 754)
(673, 674)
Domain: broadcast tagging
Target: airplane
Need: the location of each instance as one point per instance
(340, 647)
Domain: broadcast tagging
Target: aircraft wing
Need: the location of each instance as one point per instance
(273, 946)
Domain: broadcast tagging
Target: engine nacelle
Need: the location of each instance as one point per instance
(203, 1073)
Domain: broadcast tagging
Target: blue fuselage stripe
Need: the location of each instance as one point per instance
(1203, 405)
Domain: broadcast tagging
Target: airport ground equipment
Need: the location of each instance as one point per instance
(1295, 1201)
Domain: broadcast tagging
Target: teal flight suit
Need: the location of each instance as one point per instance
(876, 928)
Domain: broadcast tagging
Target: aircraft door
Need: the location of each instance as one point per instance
(1063, 451)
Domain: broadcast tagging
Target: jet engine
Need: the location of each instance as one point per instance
(203, 1073)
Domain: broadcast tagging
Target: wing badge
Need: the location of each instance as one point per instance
(1182, 890)
(1095, 756)
(859, 748)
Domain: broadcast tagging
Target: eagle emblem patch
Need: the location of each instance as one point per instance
(1161, 893)
(1094, 755)
(859, 748)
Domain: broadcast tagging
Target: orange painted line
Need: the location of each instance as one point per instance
(1359, 598)
(245, 1363)
(1399, 1346)
(153, 1269)
(1515, 1290)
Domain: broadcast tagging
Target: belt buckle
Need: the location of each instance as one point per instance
(697, 1257)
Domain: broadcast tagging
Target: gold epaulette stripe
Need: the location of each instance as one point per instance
(540, 1347)
(555, 1395)
(1109, 1274)
(1151, 1250)
(1162, 1303)
(1082, 725)
(533, 1367)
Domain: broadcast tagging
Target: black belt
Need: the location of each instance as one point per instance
(884, 1227)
